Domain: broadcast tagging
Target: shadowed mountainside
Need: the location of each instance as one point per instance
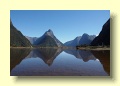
(17, 39)
(86, 39)
(104, 36)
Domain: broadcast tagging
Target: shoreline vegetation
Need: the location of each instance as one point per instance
(93, 47)
(77, 47)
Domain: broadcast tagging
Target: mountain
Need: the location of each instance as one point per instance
(104, 36)
(31, 39)
(74, 42)
(81, 40)
(86, 39)
(17, 39)
(48, 40)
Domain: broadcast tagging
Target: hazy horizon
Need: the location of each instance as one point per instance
(65, 24)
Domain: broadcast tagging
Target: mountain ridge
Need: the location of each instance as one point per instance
(48, 39)
(80, 40)
(86, 39)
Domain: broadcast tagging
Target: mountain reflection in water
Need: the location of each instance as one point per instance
(104, 58)
(82, 54)
(46, 54)
(27, 62)
(17, 55)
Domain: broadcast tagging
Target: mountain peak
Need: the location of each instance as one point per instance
(85, 34)
(48, 39)
(49, 30)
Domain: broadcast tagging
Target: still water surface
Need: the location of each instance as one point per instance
(58, 62)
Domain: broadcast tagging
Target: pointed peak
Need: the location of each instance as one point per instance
(49, 30)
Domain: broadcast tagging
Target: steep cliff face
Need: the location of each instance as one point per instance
(104, 36)
(17, 39)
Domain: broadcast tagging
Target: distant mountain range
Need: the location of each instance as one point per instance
(17, 39)
(86, 39)
(31, 39)
(73, 42)
(48, 39)
(104, 36)
(81, 40)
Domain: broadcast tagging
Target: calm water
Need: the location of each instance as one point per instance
(58, 62)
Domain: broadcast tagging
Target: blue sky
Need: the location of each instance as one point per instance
(65, 24)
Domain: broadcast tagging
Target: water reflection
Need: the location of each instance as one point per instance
(104, 58)
(59, 62)
(46, 54)
(102, 55)
(82, 54)
(17, 55)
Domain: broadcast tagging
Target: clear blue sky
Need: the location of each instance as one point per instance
(65, 24)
